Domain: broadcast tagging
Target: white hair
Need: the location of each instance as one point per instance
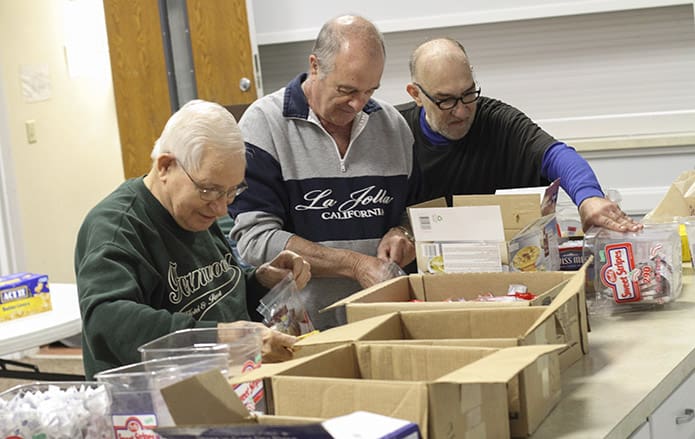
(195, 126)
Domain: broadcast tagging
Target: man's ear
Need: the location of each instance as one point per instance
(164, 162)
(313, 65)
(414, 93)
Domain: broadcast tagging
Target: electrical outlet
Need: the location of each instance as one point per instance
(30, 126)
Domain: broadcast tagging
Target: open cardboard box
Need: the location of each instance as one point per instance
(207, 401)
(564, 321)
(515, 212)
(448, 391)
(433, 292)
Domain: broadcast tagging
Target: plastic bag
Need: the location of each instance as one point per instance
(389, 271)
(283, 309)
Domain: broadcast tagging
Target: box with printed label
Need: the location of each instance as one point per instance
(448, 391)
(23, 294)
(564, 321)
(536, 246)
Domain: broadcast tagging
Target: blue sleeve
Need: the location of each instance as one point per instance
(576, 176)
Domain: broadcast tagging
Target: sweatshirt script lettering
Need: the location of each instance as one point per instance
(189, 283)
(369, 196)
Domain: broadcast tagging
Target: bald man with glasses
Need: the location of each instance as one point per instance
(467, 143)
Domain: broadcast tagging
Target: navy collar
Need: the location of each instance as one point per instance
(295, 104)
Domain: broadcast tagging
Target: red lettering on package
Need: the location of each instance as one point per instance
(615, 274)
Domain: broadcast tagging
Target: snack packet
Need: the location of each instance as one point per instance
(283, 309)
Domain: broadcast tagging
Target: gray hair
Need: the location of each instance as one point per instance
(339, 30)
(415, 56)
(195, 126)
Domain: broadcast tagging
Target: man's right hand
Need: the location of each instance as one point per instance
(369, 270)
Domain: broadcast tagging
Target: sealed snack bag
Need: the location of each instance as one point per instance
(283, 309)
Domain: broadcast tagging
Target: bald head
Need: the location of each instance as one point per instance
(437, 54)
(347, 33)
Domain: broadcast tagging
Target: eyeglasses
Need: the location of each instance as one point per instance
(449, 103)
(209, 194)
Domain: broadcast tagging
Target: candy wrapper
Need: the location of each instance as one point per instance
(633, 271)
(79, 410)
(283, 309)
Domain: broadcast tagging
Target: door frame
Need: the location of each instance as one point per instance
(11, 253)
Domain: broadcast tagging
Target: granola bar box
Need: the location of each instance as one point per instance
(633, 270)
(23, 294)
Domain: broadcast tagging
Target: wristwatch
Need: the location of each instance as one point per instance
(407, 233)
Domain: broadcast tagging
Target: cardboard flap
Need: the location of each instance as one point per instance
(517, 210)
(679, 200)
(204, 399)
(390, 323)
(576, 283)
(302, 365)
(388, 291)
(500, 366)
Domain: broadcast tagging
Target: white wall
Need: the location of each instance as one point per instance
(76, 160)
(625, 70)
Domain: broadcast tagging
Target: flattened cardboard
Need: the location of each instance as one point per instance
(429, 385)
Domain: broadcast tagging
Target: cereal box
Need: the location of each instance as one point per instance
(23, 294)
(535, 247)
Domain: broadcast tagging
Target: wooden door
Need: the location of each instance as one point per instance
(221, 48)
(221, 52)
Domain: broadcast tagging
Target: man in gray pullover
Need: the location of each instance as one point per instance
(330, 170)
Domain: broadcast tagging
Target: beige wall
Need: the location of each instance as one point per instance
(76, 160)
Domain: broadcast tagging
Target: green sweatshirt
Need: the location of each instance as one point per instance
(141, 276)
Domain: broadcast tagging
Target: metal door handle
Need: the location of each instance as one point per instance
(689, 416)
(244, 84)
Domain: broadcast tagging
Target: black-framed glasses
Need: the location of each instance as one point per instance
(449, 103)
(210, 194)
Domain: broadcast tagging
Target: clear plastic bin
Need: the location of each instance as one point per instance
(242, 345)
(76, 410)
(634, 270)
(137, 404)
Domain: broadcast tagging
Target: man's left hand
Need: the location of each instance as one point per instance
(286, 261)
(601, 212)
(395, 246)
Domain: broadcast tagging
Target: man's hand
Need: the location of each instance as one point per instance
(601, 212)
(276, 345)
(286, 261)
(369, 270)
(396, 247)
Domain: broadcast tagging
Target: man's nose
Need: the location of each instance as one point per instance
(357, 103)
(461, 109)
(219, 206)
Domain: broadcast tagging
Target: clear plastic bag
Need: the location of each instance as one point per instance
(389, 271)
(284, 310)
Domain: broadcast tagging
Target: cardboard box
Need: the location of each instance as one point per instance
(447, 391)
(23, 294)
(207, 400)
(564, 321)
(516, 211)
(432, 292)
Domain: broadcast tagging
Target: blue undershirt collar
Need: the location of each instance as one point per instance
(432, 136)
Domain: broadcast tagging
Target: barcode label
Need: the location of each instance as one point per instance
(425, 223)
(430, 250)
